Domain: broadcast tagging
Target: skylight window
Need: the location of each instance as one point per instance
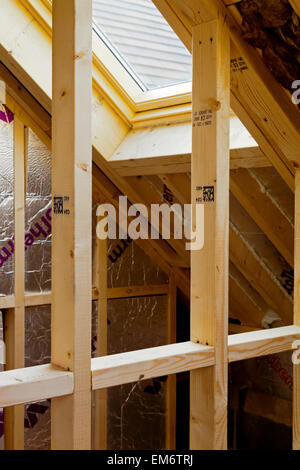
(143, 41)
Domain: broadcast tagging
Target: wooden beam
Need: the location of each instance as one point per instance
(34, 300)
(245, 304)
(266, 147)
(14, 416)
(25, 107)
(7, 302)
(274, 185)
(72, 226)
(100, 396)
(153, 165)
(164, 360)
(209, 266)
(296, 388)
(137, 291)
(34, 384)
(256, 239)
(259, 275)
(15, 318)
(296, 5)
(262, 343)
(248, 157)
(47, 381)
(201, 12)
(265, 211)
(133, 366)
(171, 382)
(272, 263)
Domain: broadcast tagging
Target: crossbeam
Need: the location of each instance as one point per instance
(34, 384)
(149, 363)
(45, 298)
(252, 344)
(248, 157)
(46, 381)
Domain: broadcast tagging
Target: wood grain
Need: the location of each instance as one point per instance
(209, 265)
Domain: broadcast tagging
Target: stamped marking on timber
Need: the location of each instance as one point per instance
(59, 205)
(238, 64)
(168, 195)
(207, 193)
(203, 117)
(288, 280)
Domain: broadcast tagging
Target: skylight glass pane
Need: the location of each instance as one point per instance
(144, 40)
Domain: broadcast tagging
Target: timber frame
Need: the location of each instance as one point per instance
(118, 117)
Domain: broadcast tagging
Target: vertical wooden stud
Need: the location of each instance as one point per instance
(209, 266)
(171, 383)
(15, 318)
(296, 386)
(100, 418)
(72, 227)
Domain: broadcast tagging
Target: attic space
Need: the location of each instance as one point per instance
(149, 225)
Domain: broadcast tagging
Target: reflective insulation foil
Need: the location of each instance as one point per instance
(38, 217)
(6, 208)
(38, 280)
(7, 230)
(128, 265)
(137, 412)
(2, 359)
(132, 323)
(37, 351)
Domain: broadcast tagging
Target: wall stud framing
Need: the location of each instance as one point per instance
(171, 382)
(296, 386)
(100, 396)
(209, 266)
(72, 228)
(15, 317)
(71, 376)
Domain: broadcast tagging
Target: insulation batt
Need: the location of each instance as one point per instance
(273, 27)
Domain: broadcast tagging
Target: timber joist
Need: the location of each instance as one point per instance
(37, 383)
